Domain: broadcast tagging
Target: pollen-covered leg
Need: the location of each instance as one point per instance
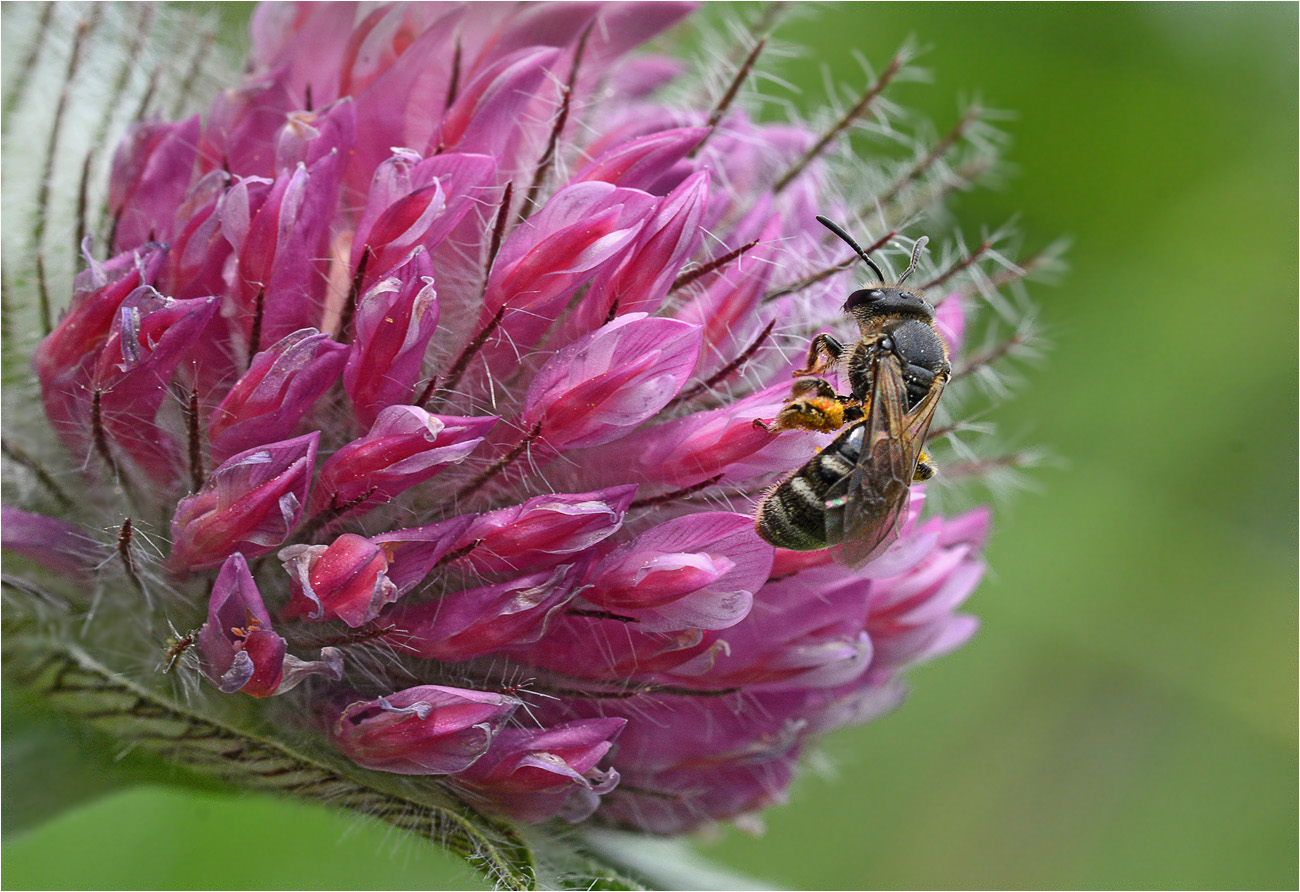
(815, 406)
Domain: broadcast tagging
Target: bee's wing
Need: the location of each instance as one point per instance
(863, 509)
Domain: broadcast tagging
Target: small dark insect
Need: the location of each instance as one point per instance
(854, 491)
(176, 648)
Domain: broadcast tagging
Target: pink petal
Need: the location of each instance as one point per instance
(250, 503)
(609, 381)
(428, 729)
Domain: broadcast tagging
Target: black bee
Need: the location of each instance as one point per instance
(853, 492)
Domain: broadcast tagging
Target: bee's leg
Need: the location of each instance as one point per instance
(824, 351)
(801, 392)
(796, 414)
(924, 468)
(819, 394)
(813, 387)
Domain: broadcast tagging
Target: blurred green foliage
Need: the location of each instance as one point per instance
(1127, 716)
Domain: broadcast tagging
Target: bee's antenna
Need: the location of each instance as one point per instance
(916, 252)
(848, 239)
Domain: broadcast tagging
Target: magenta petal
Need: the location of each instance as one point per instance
(643, 279)
(912, 546)
(405, 446)
(535, 775)
(643, 163)
(55, 545)
(278, 233)
(648, 579)
(241, 128)
(575, 748)
(280, 387)
(487, 111)
(240, 651)
(97, 294)
(611, 380)
(151, 172)
(855, 704)
(546, 529)
(683, 799)
(151, 336)
(422, 730)
(729, 306)
(308, 136)
(697, 571)
(415, 551)
(196, 264)
(807, 630)
(401, 225)
(693, 448)
(935, 587)
(971, 527)
(907, 646)
(416, 202)
(555, 25)
(622, 649)
(625, 26)
(280, 31)
(583, 228)
(250, 503)
(392, 80)
(393, 325)
(950, 319)
(64, 360)
(477, 621)
(345, 580)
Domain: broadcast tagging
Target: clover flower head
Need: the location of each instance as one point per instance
(433, 350)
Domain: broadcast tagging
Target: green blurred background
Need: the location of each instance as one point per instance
(1127, 715)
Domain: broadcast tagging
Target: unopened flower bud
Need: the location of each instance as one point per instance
(250, 503)
(344, 580)
(428, 729)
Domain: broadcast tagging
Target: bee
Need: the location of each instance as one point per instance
(853, 492)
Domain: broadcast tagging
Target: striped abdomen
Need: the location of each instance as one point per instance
(794, 514)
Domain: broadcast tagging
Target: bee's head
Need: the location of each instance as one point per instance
(884, 300)
(888, 300)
